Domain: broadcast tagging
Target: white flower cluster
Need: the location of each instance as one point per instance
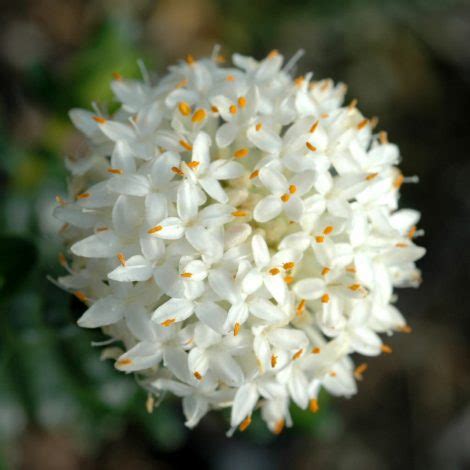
(236, 232)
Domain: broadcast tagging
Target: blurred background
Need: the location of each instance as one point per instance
(407, 62)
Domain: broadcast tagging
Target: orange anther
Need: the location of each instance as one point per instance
(245, 423)
(242, 101)
(311, 147)
(241, 153)
(313, 405)
(199, 115)
(155, 229)
(325, 298)
(184, 108)
(168, 322)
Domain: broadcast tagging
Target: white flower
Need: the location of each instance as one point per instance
(238, 232)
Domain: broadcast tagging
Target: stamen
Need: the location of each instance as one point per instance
(184, 108)
(289, 266)
(190, 59)
(193, 164)
(124, 362)
(285, 197)
(363, 124)
(155, 229)
(316, 350)
(325, 298)
(254, 175)
(150, 404)
(385, 348)
(198, 375)
(83, 196)
(411, 232)
(360, 369)
(401, 245)
(279, 426)
(300, 308)
(273, 53)
(214, 109)
(328, 230)
(311, 147)
(320, 239)
(182, 83)
(230, 78)
(99, 119)
(383, 137)
(117, 76)
(239, 213)
(168, 322)
(325, 271)
(354, 287)
(374, 121)
(273, 361)
(199, 115)
(288, 279)
(63, 260)
(405, 329)
(352, 105)
(115, 171)
(297, 354)
(292, 188)
(299, 80)
(245, 423)
(274, 271)
(314, 127)
(236, 329)
(241, 153)
(102, 229)
(233, 109)
(80, 295)
(186, 275)
(399, 180)
(220, 59)
(177, 170)
(242, 101)
(186, 145)
(258, 127)
(313, 405)
(332, 373)
(351, 269)
(371, 176)
(121, 258)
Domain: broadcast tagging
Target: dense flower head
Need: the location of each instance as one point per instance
(236, 234)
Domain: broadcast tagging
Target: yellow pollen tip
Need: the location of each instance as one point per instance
(360, 369)
(99, 119)
(274, 53)
(168, 322)
(233, 109)
(352, 269)
(124, 362)
(245, 423)
(325, 271)
(279, 426)
(354, 287)
(292, 188)
(242, 101)
(83, 196)
(186, 275)
(401, 245)
(117, 76)
(405, 329)
(184, 108)
(325, 298)
(316, 350)
(383, 137)
(182, 83)
(332, 373)
(274, 271)
(199, 115)
(412, 231)
(258, 127)
(155, 229)
(297, 354)
(328, 230)
(300, 307)
(220, 59)
(363, 124)
(371, 176)
(177, 170)
(399, 180)
(285, 197)
(289, 266)
(121, 258)
(385, 348)
(80, 295)
(311, 147)
(353, 104)
(115, 171)
(236, 329)
(313, 405)
(214, 109)
(289, 279)
(319, 238)
(241, 153)
(239, 213)
(273, 361)
(314, 127)
(230, 78)
(190, 59)
(193, 164)
(198, 375)
(186, 145)
(254, 175)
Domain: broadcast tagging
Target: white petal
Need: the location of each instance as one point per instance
(309, 288)
(226, 134)
(265, 310)
(173, 309)
(243, 403)
(268, 208)
(137, 268)
(132, 185)
(260, 251)
(226, 368)
(187, 201)
(227, 170)
(212, 315)
(213, 188)
(172, 229)
(101, 245)
(105, 311)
